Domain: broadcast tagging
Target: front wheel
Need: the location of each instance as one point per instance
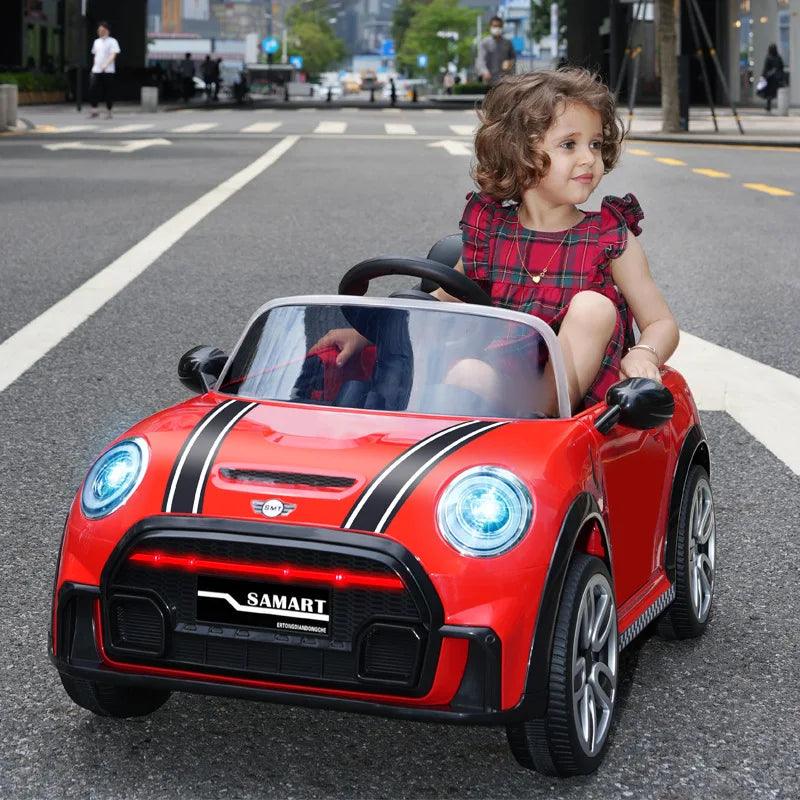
(572, 737)
(106, 700)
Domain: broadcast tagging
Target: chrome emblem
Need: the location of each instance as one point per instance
(273, 507)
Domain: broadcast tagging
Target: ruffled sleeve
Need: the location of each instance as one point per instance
(618, 215)
(476, 225)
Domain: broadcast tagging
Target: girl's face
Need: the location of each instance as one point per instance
(573, 143)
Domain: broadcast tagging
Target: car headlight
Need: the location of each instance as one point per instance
(113, 478)
(484, 511)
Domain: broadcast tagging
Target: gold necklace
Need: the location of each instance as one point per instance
(536, 278)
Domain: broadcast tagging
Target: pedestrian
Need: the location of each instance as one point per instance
(774, 75)
(101, 82)
(187, 77)
(207, 74)
(448, 82)
(216, 76)
(496, 57)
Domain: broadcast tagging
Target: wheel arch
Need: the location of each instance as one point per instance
(694, 450)
(581, 520)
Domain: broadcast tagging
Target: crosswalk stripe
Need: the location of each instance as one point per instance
(399, 129)
(261, 127)
(196, 127)
(130, 128)
(463, 130)
(75, 128)
(331, 127)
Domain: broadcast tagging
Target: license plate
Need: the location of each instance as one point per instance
(277, 606)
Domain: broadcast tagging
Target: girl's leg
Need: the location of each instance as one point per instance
(584, 335)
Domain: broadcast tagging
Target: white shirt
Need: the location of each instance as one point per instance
(102, 50)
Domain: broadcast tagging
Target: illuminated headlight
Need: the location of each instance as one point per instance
(113, 478)
(484, 511)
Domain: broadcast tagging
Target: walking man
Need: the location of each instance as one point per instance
(496, 56)
(101, 83)
(187, 77)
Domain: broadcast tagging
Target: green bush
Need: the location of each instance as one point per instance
(471, 88)
(34, 81)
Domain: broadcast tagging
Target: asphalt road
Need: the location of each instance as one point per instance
(713, 718)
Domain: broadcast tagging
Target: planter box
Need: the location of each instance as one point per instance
(34, 98)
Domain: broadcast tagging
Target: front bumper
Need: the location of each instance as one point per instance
(171, 650)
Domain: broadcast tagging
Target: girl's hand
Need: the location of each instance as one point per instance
(349, 342)
(639, 364)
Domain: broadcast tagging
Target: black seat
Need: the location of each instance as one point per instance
(446, 251)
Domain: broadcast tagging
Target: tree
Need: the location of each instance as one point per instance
(421, 36)
(401, 19)
(540, 19)
(312, 37)
(667, 43)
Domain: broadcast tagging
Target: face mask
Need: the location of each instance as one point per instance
(495, 31)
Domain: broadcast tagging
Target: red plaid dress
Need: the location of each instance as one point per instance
(579, 259)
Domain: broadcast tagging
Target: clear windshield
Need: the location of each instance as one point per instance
(413, 359)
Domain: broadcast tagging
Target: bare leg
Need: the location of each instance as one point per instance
(584, 336)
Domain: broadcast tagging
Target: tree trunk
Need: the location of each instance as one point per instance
(667, 21)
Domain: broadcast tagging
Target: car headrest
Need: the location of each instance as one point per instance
(446, 251)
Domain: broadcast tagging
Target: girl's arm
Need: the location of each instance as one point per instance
(631, 274)
(441, 294)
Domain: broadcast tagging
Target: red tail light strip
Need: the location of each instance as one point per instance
(246, 569)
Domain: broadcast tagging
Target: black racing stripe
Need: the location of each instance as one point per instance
(185, 476)
(388, 487)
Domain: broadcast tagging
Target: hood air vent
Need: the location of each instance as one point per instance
(274, 478)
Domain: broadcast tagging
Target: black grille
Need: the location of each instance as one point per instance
(269, 653)
(136, 624)
(287, 478)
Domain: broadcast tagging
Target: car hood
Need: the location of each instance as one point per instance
(225, 457)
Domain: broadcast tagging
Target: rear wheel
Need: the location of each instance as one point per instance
(572, 737)
(106, 700)
(695, 561)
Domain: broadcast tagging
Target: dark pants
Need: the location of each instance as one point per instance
(101, 87)
(187, 88)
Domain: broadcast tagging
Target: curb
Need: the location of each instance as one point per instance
(726, 139)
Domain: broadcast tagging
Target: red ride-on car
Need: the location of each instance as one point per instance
(371, 537)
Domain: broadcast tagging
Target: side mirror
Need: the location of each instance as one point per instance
(200, 367)
(639, 403)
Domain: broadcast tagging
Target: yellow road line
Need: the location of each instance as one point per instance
(775, 191)
(637, 151)
(45, 128)
(671, 162)
(711, 173)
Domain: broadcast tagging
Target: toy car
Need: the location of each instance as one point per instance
(369, 537)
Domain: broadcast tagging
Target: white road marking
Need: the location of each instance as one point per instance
(331, 127)
(196, 127)
(117, 147)
(463, 130)
(261, 127)
(399, 129)
(130, 128)
(455, 148)
(762, 399)
(74, 128)
(24, 348)
(432, 111)
(390, 110)
(307, 110)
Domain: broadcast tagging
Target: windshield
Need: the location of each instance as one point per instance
(408, 358)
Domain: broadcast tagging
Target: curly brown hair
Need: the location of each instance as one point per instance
(515, 116)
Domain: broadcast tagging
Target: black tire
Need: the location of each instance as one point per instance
(682, 619)
(106, 700)
(553, 745)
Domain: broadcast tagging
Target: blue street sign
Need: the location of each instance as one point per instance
(270, 45)
(422, 60)
(296, 61)
(387, 48)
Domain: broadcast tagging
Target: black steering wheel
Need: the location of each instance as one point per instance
(356, 279)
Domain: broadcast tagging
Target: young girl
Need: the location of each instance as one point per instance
(545, 141)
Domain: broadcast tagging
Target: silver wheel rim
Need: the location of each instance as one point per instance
(702, 536)
(594, 664)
